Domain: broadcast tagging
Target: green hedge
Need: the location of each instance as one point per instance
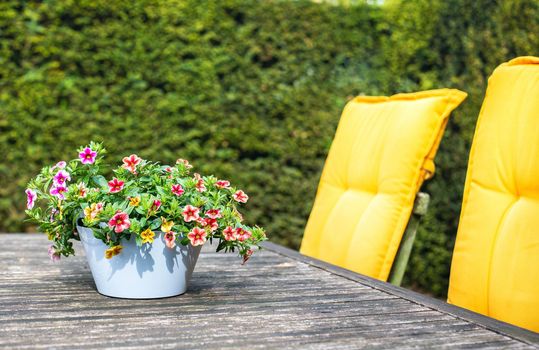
(247, 90)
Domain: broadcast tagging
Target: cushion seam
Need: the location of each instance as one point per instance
(492, 247)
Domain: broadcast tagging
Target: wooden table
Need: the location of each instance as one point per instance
(280, 299)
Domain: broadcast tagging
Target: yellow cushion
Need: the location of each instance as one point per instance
(495, 268)
(383, 150)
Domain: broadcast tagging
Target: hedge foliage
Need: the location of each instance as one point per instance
(247, 90)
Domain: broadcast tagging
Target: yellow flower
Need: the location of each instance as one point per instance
(166, 226)
(134, 201)
(88, 213)
(91, 212)
(147, 236)
(117, 249)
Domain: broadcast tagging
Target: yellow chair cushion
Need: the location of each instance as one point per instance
(383, 150)
(495, 268)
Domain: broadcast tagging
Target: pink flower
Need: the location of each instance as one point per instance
(214, 213)
(242, 235)
(197, 236)
(53, 254)
(222, 184)
(31, 196)
(184, 162)
(120, 222)
(208, 222)
(131, 162)
(200, 183)
(156, 205)
(168, 169)
(229, 234)
(200, 186)
(83, 191)
(211, 223)
(58, 191)
(170, 238)
(61, 177)
(115, 185)
(60, 165)
(190, 213)
(177, 189)
(87, 156)
(240, 196)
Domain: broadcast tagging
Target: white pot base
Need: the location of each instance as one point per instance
(147, 272)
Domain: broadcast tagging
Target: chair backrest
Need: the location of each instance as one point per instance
(382, 151)
(495, 267)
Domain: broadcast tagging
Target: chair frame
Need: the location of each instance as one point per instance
(400, 263)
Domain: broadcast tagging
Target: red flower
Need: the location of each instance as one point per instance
(197, 236)
(222, 184)
(119, 222)
(190, 213)
(201, 221)
(212, 223)
(242, 235)
(240, 196)
(170, 238)
(83, 191)
(131, 162)
(156, 205)
(115, 185)
(213, 213)
(177, 189)
(247, 255)
(229, 234)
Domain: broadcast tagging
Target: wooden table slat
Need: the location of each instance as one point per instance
(280, 299)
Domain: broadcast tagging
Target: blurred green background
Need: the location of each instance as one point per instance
(247, 90)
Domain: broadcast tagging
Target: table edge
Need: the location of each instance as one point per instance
(507, 329)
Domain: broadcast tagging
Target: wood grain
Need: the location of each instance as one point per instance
(274, 301)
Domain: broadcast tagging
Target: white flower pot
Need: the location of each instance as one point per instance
(150, 271)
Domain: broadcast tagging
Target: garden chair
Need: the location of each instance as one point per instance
(382, 152)
(495, 267)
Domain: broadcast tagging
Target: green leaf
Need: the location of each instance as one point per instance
(128, 209)
(155, 224)
(161, 192)
(221, 246)
(100, 181)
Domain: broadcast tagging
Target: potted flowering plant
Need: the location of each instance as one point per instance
(143, 228)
